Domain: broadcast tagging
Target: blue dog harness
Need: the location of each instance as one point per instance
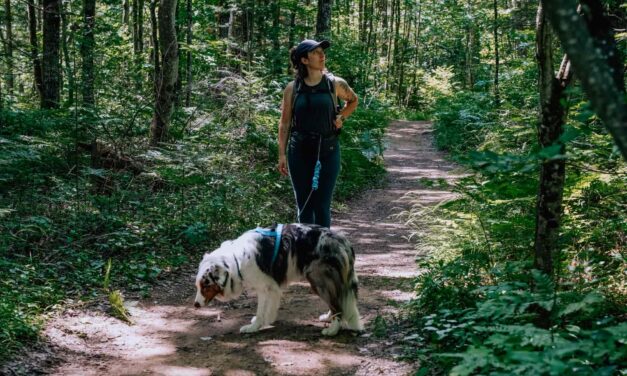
(277, 238)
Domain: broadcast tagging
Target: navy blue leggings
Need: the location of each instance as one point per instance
(302, 157)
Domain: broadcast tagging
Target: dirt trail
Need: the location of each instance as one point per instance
(170, 337)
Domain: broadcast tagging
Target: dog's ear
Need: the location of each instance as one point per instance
(211, 275)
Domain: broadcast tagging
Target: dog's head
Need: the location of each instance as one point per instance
(210, 281)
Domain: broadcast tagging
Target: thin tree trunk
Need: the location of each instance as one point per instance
(188, 68)
(87, 52)
(140, 27)
(135, 11)
(166, 81)
(323, 20)
(361, 21)
(69, 70)
(290, 38)
(9, 49)
(597, 77)
(51, 71)
(224, 14)
(155, 45)
(552, 170)
(496, 53)
(126, 7)
(34, 48)
(276, 28)
(416, 64)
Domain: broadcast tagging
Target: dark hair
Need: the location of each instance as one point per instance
(300, 70)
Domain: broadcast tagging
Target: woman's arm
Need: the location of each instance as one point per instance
(284, 127)
(344, 92)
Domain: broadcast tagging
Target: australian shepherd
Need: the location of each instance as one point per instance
(323, 257)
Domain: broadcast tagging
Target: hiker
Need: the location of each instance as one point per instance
(312, 120)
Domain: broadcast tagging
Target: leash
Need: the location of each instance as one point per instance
(277, 238)
(314, 181)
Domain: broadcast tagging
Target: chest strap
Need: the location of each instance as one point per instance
(277, 238)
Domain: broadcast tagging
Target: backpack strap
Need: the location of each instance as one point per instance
(330, 78)
(298, 83)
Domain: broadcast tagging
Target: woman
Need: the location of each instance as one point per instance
(310, 109)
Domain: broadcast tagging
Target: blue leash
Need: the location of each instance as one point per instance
(277, 238)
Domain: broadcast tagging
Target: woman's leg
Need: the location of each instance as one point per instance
(328, 176)
(301, 168)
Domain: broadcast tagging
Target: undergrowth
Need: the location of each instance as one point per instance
(481, 308)
(62, 219)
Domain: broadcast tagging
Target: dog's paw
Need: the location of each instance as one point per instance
(333, 328)
(252, 328)
(326, 317)
(252, 321)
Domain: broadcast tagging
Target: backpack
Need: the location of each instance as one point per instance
(298, 83)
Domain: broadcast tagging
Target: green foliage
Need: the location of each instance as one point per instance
(64, 223)
(480, 306)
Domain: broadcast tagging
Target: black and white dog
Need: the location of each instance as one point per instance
(323, 257)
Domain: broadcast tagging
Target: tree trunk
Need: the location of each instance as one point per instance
(290, 37)
(9, 49)
(188, 68)
(323, 20)
(166, 81)
(597, 77)
(34, 48)
(552, 170)
(276, 28)
(416, 64)
(224, 13)
(87, 52)
(51, 71)
(605, 42)
(155, 44)
(69, 70)
(126, 7)
(496, 53)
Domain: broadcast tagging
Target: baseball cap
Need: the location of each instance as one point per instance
(309, 45)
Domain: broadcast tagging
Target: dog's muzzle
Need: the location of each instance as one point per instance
(206, 294)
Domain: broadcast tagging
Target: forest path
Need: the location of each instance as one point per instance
(170, 337)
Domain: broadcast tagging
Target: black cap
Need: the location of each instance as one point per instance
(309, 45)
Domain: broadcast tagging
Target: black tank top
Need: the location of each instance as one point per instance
(313, 109)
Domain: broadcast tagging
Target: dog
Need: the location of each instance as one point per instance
(323, 257)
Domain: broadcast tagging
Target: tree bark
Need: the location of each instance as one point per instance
(274, 35)
(552, 170)
(126, 7)
(51, 71)
(69, 70)
(155, 43)
(9, 49)
(34, 48)
(323, 20)
(597, 77)
(87, 52)
(188, 68)
(166, 80)
(290, 37)
(496, 53)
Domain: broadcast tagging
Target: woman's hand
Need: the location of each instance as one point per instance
(339, 121)
(282, 167)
